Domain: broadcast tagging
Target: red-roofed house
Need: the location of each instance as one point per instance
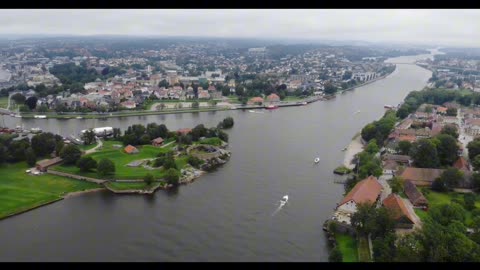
(255, 100)
(157, 142)
(273, 98)
(130, 149)
(421, 176)
(365, 191)
(402, 217)
(442, 110)
(184, 131)
(462, 164)
(410, 138)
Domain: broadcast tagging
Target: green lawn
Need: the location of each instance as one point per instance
(3, 102)
(121, 159)
(421, 214)
(293, 98)
(348, 246)
(363, 250)
(438, 198)
(128, 186)
(20, 191)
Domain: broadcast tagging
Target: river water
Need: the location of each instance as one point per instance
(225, 215)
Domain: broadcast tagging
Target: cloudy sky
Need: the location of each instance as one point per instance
(445, 27)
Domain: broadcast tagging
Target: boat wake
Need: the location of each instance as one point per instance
(282, 202)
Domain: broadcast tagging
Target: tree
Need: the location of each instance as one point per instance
(469, 201)
(447, 149)
(452, 112)
(24, 108)
(476, 163)
(329, 89)
(163, 83)
(450, 130)
(222, 136)
(172, 176)
(148, 179)
(476, 180)
(451, 177)
(396, 184)
(424, 154)
(58, 147)
(473, 148)
(226, 123)
(44, 143)
(195, 105)
(409, 248)
(445, 214)
(362, 219)
(439, 185)
(70, 154)
(105, 167)
(18, 98)
(372, 147)
(86, 163)
(335, 255)
(89, 137)
(194, 161)
(384, 248)
(30, 156)
(31, 102)
(42, 108)
(369, 131)
(404, 147)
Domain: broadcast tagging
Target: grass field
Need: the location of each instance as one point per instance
(3, 102)
(20, 191)
(293, 98)
(121, 159)
(363, 250)
(348, 246)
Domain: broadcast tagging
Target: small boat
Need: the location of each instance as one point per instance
(271, 107)
(388, 106)
(357, 112)
(17, 115)
(35, 130)
(284, 200)
(79, 117)
(344, 149)
(40, 116)
(251, 111)
(316, 160)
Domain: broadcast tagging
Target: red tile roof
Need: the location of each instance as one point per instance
(461, 164)
(129, 149)
(421, 176)
(413, 194)
(410, 138)
(397, 207)
(364, 191)
(273, 97)
(184, 131)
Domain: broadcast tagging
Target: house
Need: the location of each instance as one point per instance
(128, 104)
(365, 191)
(401, 159)
(421, 176)
(255, 101)
(129, 149)
(390, 167)
(400, 214)
(414, 195)
(272, 98)
(405, 124)
(442, 110)
(45, 164)
(408, 138)
(203, 94)
(184, 131)
(462, 164)
(157, 142)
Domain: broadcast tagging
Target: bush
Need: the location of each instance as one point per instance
(148, 178)
(194, 161)
(172, 176)
(105, 167)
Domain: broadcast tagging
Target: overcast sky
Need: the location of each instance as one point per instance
(445, 27)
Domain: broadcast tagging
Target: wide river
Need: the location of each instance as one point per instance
(227, 215)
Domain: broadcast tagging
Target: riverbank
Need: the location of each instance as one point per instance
(355, 147)
(369, 82)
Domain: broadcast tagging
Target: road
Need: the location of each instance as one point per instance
(463, 137)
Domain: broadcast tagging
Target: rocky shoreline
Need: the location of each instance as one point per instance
(73, 194)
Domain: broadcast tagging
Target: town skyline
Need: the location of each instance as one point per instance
(407, 26)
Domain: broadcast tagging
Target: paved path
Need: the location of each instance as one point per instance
(100, 144)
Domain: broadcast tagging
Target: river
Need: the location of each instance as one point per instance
(225, 215)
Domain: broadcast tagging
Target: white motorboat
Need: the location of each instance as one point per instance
(284, 200)
(251, 111)
(316, 160)
(357, 112)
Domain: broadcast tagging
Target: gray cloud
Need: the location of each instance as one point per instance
(448, 27)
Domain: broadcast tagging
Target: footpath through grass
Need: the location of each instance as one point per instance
(363, 250)
(20, 191)
(348, 246)
(121, 159)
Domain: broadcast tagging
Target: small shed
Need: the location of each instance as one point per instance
(130, 149)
